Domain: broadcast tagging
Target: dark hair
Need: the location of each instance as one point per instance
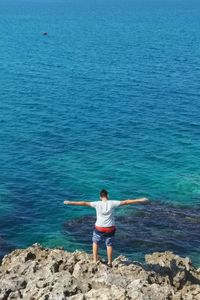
(103, 193)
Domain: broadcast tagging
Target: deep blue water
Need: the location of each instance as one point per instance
(109, 99)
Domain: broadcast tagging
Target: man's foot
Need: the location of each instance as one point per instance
(96, 262)
(109, 265)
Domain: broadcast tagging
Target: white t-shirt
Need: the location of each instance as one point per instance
(105, 212)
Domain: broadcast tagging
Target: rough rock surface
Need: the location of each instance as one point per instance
(38, 273)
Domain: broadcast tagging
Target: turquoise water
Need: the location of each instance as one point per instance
(108, 99)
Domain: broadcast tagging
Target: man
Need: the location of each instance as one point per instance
(105, 224)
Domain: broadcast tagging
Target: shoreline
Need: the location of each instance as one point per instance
(41, 273)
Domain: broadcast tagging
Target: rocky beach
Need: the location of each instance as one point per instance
(39, 273)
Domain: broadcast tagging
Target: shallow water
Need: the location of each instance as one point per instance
(108, 99)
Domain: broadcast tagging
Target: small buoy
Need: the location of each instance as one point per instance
(45, 33)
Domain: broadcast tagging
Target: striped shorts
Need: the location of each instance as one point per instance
(102, 237)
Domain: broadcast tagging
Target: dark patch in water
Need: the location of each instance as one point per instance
(155, 227)
(5, 248)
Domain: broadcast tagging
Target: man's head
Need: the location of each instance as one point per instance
(104, 194)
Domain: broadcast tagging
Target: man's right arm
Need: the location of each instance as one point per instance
(134, 201)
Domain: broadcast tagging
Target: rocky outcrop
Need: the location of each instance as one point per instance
(38, 273)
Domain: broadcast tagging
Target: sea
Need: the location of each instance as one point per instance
(100, 94)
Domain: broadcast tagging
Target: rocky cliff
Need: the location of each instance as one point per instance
(38, 273)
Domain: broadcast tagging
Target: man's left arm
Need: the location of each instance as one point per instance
(82, 203)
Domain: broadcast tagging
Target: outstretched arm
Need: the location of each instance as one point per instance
(77, 203)
(135, 201)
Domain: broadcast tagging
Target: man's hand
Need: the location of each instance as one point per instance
(144, 200)
(66, 202)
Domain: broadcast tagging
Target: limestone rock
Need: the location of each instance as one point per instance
(39, 273)
(179, 270)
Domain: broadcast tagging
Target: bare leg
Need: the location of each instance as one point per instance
(95, 248)
(109, 254)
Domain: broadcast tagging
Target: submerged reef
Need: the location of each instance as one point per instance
(157, 227)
